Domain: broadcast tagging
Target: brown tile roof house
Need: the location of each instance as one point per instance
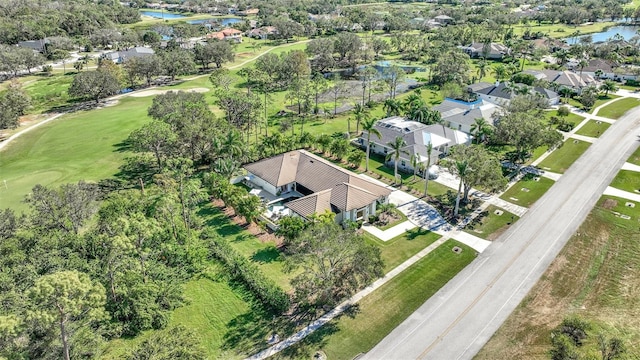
(324, 185)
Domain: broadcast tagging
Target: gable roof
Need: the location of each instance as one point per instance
(345, 188)
(501, 90)
(465, 113)
(315, 203)
(565, 78)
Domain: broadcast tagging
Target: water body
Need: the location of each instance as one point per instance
(222, 21)
(627, 32)
(162, 15)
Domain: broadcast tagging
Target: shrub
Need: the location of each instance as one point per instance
(242, 270)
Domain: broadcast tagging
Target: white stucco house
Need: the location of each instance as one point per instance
(299, 183)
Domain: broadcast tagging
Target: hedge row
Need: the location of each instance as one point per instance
(243, 270)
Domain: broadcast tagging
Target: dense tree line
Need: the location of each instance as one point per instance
(31, 20)
(77, 271)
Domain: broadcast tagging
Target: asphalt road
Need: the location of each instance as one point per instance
(458, 320)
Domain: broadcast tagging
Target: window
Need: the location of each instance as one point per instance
(359, 214)
(402, 163)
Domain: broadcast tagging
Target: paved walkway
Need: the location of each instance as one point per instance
(630, 166)
(588, 139)
(386, 235)
(622, 194)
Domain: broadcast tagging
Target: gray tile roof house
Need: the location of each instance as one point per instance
(461, 115)
(121, 56)
(491, 50)
(324, 186)
(35, 45)
(501, 93)
(417, 136)
(565, 78)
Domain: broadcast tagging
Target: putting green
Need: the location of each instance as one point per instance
(85, 145)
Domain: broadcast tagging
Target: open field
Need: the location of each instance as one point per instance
(85, 145)
(527, 191)
(489, 225)
(384, 309)
(561, 158)
(595, 277)
(593, 128)
(627, 180)
(617, 109)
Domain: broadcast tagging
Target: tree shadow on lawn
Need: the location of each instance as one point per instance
(249, 333)
(215, 218)
(412, 234)
(136, 168)
(267, 255)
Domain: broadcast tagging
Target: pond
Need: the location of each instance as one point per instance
(627, 32)
(222, 21)
(161, 14)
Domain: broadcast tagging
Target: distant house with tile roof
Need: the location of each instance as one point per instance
(307, 184)
(119, 57)
(229, 34)
(566, 79)
(417, 136)
(460, 115)
(494, 51)
(501, 93)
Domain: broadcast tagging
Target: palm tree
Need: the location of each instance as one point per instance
(582, 64)
(396, 147)
(479, 128)
(482, 69)
(369, 126)
(500, 72)
(426, 170)
(461, 169)
(413, 100)
(608, 85)
(419, 114)
(415, 163)
(361, 113)
(392, 107)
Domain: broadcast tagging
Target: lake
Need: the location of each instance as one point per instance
(162, 15)
(627, 32)
(222, 21)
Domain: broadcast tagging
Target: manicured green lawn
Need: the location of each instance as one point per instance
(47, 92)
(210, 306)
(397, 250)
(384, 309)
(593, 128)
(534, 190)
(264, 254)
(627, 180)
(560, 159)
(488, 225)
(85, 145)
(561, 31)
(635, 157)
(618, 108)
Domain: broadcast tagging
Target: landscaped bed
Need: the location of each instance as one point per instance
(593, 128)
(528, 190)
(562, 158)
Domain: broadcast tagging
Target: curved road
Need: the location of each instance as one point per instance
(457, 321)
